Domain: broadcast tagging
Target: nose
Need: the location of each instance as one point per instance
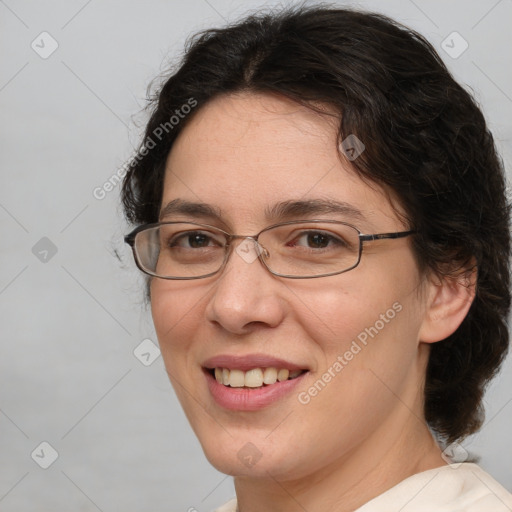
(245, 294)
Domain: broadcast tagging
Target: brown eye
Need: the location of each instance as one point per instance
(193, 240)
(318, 240)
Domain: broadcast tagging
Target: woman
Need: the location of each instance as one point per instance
(323, 219)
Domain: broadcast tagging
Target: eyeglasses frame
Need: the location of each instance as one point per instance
(130, 240)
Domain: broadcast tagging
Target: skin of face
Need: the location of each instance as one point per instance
(242, 153)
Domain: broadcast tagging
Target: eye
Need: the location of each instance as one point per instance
(194, 240)
(318, 240)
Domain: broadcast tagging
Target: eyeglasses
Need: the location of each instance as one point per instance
(298, 249)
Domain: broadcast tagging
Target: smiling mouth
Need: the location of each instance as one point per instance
(254, 378)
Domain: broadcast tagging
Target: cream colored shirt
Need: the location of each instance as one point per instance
(453, 488)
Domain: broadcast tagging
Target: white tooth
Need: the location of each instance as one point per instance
(295, 373)
(283, 374)
(254, 378)
(225, 376)
(236, 379)
(270, 376)
(218, 375)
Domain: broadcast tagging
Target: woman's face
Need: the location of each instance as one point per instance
(355, 335)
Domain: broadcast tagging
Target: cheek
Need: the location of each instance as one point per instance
(346, 306)
(175, 311)
(176, 316)
(360, 325)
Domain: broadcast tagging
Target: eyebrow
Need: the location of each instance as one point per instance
(189, 208)
(282, 211)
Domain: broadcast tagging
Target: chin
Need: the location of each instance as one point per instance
(240, 457)
(246, 462)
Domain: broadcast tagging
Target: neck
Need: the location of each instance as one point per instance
(400, 448)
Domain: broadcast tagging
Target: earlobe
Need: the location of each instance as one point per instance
(448, 301)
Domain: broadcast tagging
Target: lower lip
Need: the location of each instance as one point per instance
(246, 399)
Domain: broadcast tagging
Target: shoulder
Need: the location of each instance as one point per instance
(453, 488)
(230, 506)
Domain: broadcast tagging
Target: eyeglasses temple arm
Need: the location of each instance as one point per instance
(381, 236)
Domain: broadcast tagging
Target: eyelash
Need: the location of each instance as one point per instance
(332, 239)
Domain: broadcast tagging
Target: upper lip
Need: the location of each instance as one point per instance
(250, 361)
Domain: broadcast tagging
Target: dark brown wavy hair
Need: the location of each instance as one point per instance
(426, 140)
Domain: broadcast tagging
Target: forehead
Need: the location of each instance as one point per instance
(245, 153)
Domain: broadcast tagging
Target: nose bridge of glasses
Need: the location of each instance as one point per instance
(249, 247)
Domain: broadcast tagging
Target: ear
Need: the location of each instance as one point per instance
(449, 298)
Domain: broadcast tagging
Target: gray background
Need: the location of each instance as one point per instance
(72, 320)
